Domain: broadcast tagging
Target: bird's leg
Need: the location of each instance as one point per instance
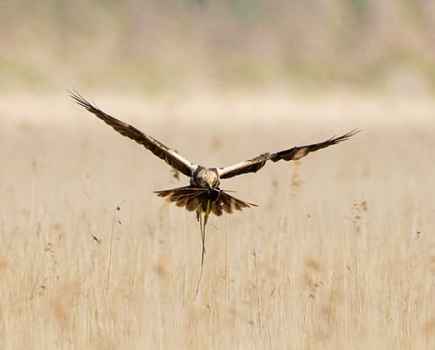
(202, 223)
(203, 218)
(199, 216)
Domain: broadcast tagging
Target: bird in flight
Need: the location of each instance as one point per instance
(203, 194)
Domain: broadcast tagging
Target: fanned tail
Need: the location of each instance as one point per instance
(187, 196)
(193, 198)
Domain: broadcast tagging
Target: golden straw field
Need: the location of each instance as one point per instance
(340, 253)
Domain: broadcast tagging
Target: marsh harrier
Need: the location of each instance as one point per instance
(203, 195)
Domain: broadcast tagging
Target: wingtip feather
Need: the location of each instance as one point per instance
(345, 136)
(80, 100)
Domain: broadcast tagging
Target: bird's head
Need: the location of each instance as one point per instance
(208, 178)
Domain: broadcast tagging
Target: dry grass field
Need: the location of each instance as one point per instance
(340, 253)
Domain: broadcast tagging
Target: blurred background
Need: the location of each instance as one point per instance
(340, 253)
(180, 46)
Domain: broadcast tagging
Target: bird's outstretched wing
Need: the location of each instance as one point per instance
(294, 153)
(160, 150)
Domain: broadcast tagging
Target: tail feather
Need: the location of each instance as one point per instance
(216, 209)
(182, 202)
(193, 198)
(192, 204)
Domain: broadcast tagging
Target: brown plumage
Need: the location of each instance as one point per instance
(203, 195)
(196, 198)
(294, 153)
(156, 147)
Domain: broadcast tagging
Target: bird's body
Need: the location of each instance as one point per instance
(203, 192)
(203, 195)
